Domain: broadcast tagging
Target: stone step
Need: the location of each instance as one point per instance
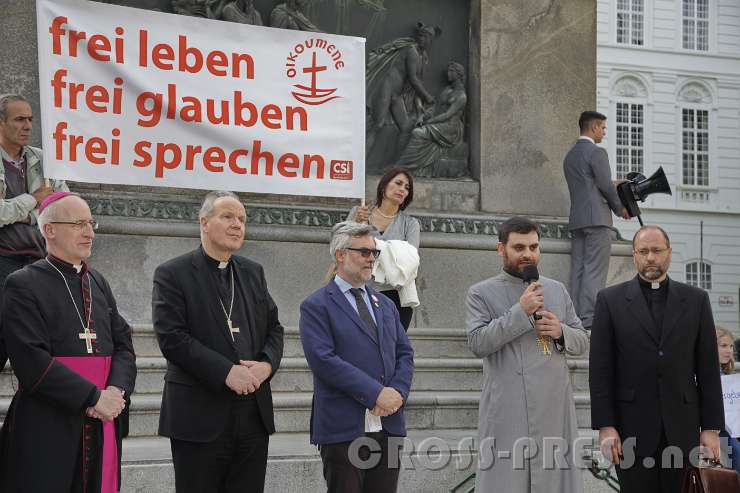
(294, 464)
(294, 375)
(425, 410)
(127, 251)
(440, 344)
(427, 343)
(430, 374)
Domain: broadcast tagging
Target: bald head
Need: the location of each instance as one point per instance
(650, 227)
(68, 227)
(651, 252)
(57, 211)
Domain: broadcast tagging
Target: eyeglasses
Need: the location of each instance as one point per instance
(79, 225)
(366, 252)
(644, 252)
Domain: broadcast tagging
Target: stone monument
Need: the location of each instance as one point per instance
(488, 140)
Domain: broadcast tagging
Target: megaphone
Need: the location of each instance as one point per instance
(637, 187)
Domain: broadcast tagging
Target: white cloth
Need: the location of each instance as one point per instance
(372, 423)
(398, 265)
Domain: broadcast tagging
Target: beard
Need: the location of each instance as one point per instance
(656, 272)
(514, 268)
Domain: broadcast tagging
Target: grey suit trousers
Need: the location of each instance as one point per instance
(589, 265)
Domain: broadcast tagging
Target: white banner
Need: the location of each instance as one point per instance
(731, 399)
(137, 97)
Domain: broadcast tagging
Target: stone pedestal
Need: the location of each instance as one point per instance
(531, 72)
(537, 73)
(19, 54)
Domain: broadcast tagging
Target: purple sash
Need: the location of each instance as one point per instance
(96, 369)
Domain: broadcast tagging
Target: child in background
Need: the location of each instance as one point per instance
(726, 350)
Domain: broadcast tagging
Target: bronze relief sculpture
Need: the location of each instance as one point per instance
(290, 15)
(405, 124)
(394, 79)
(243, 12)
(440, 130)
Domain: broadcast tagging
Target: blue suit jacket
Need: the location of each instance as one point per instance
(349, 366)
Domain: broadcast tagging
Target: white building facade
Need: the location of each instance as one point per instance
(668, 79)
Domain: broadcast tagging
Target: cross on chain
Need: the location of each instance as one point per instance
(545, 344)
(88, 336)
(233, 329)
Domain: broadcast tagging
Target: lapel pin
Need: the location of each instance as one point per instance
(376, 301)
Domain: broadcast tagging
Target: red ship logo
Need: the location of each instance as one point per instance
(313, 95)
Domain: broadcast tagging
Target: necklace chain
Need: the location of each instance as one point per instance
(231, 305)
(77, 309)
(377, 209)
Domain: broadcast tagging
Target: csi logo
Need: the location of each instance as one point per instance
(340, 170)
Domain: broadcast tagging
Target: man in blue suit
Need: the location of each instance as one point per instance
(362, 364)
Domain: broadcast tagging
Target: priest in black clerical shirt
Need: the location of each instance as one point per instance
(218, 328)
(74, 359)
(653, 372)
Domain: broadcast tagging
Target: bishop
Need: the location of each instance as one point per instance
(74, 359)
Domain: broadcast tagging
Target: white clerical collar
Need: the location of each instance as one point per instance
(214, 262)
(586, 137)
(653, 284)
(57, 262)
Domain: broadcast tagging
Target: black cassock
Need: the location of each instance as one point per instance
(47, 443)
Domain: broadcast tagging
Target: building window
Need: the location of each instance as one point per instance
(696, 24)
(630, 138)
(694, 278)
(695, 147)
(630, 22)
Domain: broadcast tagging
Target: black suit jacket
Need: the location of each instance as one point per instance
(192, 336)
(642, 382)
(3, 353)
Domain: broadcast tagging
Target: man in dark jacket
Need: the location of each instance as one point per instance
(654, 372)
(218, 328)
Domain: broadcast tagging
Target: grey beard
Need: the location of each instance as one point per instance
(651, 275)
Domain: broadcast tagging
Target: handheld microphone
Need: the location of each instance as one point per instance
(530, 274)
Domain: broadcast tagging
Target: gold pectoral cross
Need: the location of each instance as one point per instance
(88, 336)
(545, 343)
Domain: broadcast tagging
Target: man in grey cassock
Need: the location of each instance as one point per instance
(527, 395)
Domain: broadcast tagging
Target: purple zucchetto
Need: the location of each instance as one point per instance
(50, 199)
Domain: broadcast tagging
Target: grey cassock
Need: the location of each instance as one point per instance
(525, 393)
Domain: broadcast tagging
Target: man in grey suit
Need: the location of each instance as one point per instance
(593, 197)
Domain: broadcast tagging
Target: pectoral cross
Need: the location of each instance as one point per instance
(544, 342)
(88, 336)
(233, 329)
